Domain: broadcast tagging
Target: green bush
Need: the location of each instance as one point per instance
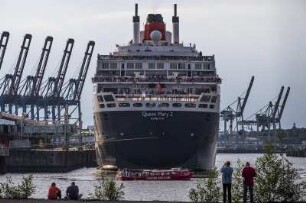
(207, 189)
(237, 185)
(276, 179)
(21, 191)
(107, 189)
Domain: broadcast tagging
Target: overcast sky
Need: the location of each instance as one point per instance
(266, 39)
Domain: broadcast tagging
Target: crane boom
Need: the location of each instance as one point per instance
(84, 70)
(40, 71)
(3, 44)
(275, 109)
(63, 68)
(247, 95)
(20, 64)
(283, 104)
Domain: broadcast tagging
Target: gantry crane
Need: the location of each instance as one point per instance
(230, 115)
(3, 44)
(72, 92)
(32, 85)
(10, 84)
(52, 90)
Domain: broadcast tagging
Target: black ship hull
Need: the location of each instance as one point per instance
(156, 139)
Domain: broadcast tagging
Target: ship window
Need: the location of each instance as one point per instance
(213, 99)
(130, 66)
(138, 65)
(173, 66)
(190, 105)
(124, 105)
(163, 105)
(108, 98)
(150, 105)
(160, 65)
(181, 66)
(211, 106)
(203, 106)
(101, 105)
(176, 105)
(137, 104)
(111, 105)
(113, 65)
(151, 65)
(100, 99)
(105, 65)
(198, 66)
(205, 98)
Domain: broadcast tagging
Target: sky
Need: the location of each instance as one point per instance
(248, 37)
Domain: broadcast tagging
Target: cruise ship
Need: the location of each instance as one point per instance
(156, 101)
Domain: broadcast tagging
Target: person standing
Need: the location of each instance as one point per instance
(227, 172)
(248, 173)
(72, 192)
(54, 192)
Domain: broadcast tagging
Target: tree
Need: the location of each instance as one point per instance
(20, 191)
(276, 180)
(237, 186)
(207, 189)
(107, 189)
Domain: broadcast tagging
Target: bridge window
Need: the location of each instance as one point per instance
(190, 105)
(213, 99)
(100, 99)
(150, 105)
(111, 105)
(109, 98)
(163, 105)
(160, 65)
(137, 104)
(130, 66)
(151, 65)
(181, 66)
(198, 66)
(203, 106)
(113, 65)
(101, 105)
(211, 106)
(205, 98)
(105, 65)
(177, 105)
(173, 66)
(138, 65)
(124, 105)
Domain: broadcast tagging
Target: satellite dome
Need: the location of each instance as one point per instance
(156, 35)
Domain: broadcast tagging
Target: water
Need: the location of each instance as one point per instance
(86, 178)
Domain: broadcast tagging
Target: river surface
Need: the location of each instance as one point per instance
(86, 178)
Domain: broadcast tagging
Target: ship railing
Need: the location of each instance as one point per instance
(157, 79)
(152, 57)
(166, 98)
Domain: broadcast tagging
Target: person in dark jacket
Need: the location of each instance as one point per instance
(72, 191)
(248, 173)
(227, 172)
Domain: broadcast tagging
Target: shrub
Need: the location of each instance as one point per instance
(237, 186)
(107, 189)
(207, 189)
(21, 191)
(276, 180)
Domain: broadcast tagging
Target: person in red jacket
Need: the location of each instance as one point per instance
(248, 173)
(54, 192)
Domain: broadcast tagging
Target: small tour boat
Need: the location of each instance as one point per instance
(169, 174)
